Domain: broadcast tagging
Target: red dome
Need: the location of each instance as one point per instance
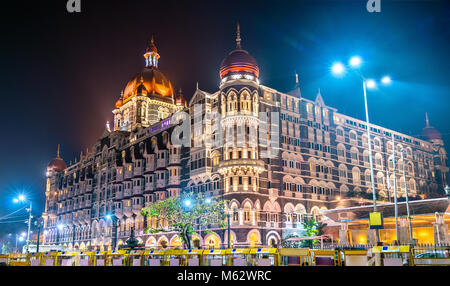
(239, 62)
(57, 164)
(431, 133)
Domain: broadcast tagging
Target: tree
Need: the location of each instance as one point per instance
(312, 228)
(185, 212)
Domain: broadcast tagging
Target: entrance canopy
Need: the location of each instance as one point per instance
(422, 208)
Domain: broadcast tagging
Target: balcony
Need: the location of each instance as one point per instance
(258, 164)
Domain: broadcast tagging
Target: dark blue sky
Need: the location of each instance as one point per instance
(61, 73)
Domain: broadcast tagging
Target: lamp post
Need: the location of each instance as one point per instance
(229, 230)
(22, 198)
(407, 200)
(395, 187)
(39, 223)
(59, 228)
(73, 236)
(339, 69)
(114, 220)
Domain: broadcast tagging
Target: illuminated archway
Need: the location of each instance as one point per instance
(254, 238)
(163, 242)
(175, 242)
(151, 242)
(212, 241)
(197, 241)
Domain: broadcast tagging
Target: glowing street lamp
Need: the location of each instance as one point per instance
(370, 83)
(187, 203)
(337, 68)
(21, 199)
(355, 62)
(386, 80)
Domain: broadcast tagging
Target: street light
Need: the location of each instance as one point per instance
(187, 202)
(22, 198)
(355, 61)
(114, 220)
(339, 69)
(370, 83)
(386, 79)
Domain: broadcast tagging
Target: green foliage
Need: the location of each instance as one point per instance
(312, 228)
(183, 218)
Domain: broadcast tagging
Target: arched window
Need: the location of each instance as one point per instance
(356, 176)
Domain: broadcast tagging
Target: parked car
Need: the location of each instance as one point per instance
(434, 254)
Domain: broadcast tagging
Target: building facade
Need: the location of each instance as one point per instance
(276, 157)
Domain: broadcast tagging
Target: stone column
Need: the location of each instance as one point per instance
(344, 234)
(371, 236)
(440, 230)
(403, 231)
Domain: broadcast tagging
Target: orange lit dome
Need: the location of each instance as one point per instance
(119, 103)
(150, 81)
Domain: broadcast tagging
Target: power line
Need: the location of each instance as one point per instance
(22, 220)
(8, 215)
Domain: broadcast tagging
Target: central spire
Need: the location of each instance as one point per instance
(151, 55)
(238, 37)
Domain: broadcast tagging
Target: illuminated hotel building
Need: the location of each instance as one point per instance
(321, 161)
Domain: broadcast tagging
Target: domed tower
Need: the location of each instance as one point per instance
(238, 104)
(148, 97)
(54, 169)
(57, 164)
(431, 134)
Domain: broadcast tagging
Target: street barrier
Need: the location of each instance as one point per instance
(48, 259)
(193, 257)
(238, 257)
(65, 258)
(324, 257)
(99, 258)
(295, 257)
(136, 258)
(264, 257)
(402, 255)
(116, 258)
(214, 257)
(354, 258)
(155, 257)
(4, 259)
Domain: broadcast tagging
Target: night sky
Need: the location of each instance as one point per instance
(61, 73)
